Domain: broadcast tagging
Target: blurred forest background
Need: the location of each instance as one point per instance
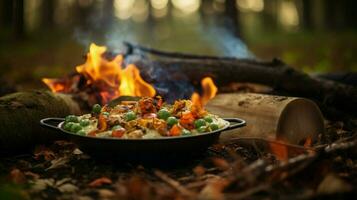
(47, 38)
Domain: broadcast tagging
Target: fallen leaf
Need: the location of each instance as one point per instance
(68, 188)
(213, 190)
(105, 193)
(100, 181)
(58, 163)
(17, 176)
(63, 181)
(220, 163)
(333, 184)
(41, 184)
(77, 152)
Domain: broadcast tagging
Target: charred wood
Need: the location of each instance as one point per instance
(225, 71)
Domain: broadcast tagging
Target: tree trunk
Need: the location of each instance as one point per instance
(18, 19)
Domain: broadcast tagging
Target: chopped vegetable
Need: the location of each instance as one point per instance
(202, 129)
(129, 116)
(213, 126)
(71, 118)
(118, 133)
(175, 130)
(102, 123)
(186, 132)
(81, 132)
(199, 123)
(171, 121)
(208, 119)
(96, 108)
(187, 120)
(75, 128)
(84, 122)
(105, 113)
(67, 126)
(163, 114)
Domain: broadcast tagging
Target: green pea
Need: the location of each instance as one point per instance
(208, 119)
(105, 113)
(171, 121)
(199, 123)
(213, 126)
(163, 114)
(116, 127)
(186, 132)
(81, 132)
(67, 126)
(96, 108)
(75, 128)
(202, 129)
(84, 122)
(71, 118)
(129, 116)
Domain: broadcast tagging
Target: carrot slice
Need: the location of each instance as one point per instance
(187, 120)
(175, 130)
(118, 133)
(102, 123)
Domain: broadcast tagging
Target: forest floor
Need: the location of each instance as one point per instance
(326, 169)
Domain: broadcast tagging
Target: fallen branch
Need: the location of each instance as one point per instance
(275, 73)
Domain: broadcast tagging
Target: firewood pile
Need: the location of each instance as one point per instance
(239, 168)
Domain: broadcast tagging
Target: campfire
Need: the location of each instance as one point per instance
(104, 79)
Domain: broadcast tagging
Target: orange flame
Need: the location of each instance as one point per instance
(209, 91)
(108, 76)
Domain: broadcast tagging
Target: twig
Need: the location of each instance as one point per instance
(173, 183)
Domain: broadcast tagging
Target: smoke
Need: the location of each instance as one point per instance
(218, 31)
(103, 28)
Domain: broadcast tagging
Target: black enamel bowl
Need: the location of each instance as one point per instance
(143, 149)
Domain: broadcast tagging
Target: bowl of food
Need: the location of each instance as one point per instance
(144, 128)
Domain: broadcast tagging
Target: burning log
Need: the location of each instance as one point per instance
(20, 114)
(225, 71)
(289, 119)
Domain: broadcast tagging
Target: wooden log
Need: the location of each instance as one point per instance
(289, 119)
(227, 70)
(21, 112)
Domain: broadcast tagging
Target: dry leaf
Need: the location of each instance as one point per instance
(220, 163)
(77, 152)
(333, 184)
(68, 188)
(100, 181)
(41, 184)
(213, 190)
(106, 194)
(58, 163)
